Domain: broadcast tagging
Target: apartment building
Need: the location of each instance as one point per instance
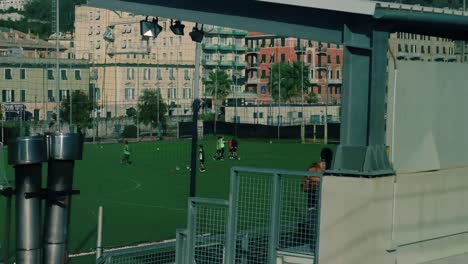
(407, 46)
(324, 62)
(123, 64)
(28, 74)
(224, 49)
(16, 4)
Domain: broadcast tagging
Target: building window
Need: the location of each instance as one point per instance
(50, 74)
(187, 93)
(77, 75)
(338, 61)
(263, 58)
(171, 93)
(8, 96)
(171, 74)
(64, 94)
(262, 43)
(158, 74)
(338, 74)
(50, 96)
(283, 57)
(428, 49)
(97, 93)
(283, 42)
(129, 93)
(22, 95)
(272, 58)
(146, 74)
(186, 75)
(422, 50)
(63, 75)
(437, 50)
(130, 74)
(406, 48)
(309, 58)
(263, 74)
(8, 74)
(319, 89)
(22, 74)
(444, 51)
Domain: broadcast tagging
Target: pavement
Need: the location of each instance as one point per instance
(459, 259)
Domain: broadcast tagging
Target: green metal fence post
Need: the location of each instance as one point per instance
(317, 229)
(191, 232)
(275, 213)
(181, 246)
(232, 217)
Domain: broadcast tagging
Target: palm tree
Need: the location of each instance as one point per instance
(218, 85)
(291, 86)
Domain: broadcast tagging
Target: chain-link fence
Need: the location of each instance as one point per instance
(276, 213)
(207, 232)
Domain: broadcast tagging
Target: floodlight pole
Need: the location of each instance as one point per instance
(196, 104)
(57, 65)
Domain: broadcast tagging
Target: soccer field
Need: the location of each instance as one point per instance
(147, 201)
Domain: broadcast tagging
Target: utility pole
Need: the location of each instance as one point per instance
(279, 92)
(463, 42)
(57, 61)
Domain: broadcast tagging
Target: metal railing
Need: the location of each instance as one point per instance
(164, 253)
(271, 214)
(274, 212)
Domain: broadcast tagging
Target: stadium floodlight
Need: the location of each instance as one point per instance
(177, 28)
(150, 29)
(197, 34)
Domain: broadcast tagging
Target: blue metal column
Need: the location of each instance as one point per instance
(362, 149)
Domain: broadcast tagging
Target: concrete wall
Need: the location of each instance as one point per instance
(431, 215)
(427, 127)
(356, 220)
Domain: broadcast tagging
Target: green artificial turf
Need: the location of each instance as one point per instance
(147, 201)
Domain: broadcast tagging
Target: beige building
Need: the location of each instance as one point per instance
(16, 4)
(407, 46)
(32, 82)
(124, 65)
(28, 75)
(285, 114)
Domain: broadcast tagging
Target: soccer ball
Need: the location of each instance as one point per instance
(271, 142)
(177, 168)
(157, 149)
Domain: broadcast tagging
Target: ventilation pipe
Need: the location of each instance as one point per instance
(26, 154)
(64, 150)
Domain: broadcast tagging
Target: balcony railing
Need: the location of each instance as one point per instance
(226, 31)
(114, 51)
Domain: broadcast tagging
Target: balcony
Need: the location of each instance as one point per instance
(224, 64)
(226, 31)
(300, 49)
(254, 50)
(210, 47)
(113, 51)
(253, 80)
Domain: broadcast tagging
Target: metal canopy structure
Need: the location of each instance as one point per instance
(363, 27)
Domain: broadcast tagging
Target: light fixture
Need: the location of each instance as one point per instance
(177, 27)
(197, 34)
(150, 29)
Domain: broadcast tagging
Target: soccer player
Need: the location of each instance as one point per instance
(233, 145)
(126, 152)
(219, 149)
(201, 157)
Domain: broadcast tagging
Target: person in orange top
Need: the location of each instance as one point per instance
(311, 184)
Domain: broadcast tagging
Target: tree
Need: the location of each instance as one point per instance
(312, 98)
(290, 78)
(149, 106)
(82, 107)
(218, 85)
